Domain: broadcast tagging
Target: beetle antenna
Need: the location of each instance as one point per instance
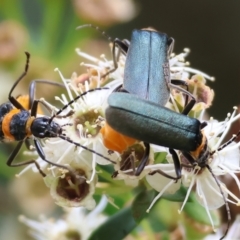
(97, 29)
(74, 100)
(22, 75)
(224, 199)
(84, 147)
(233, 138)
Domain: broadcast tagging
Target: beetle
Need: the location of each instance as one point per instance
(17, 123)
(151, 123)
(175, 130)
(143, 119)
(147, 72)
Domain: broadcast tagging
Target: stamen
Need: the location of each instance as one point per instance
(86, 56)
(159, 195)
(231, 174)
(174, 103)
(93, 169)
(188, 193)
(73, 186)
(231, 194)
(65, 84)
(32, 224)
(206, 208)
(229, 123)
(194, 71)
(88, 65)
(24, 170)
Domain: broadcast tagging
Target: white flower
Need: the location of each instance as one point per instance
(84, 128)
(74, 184)
(72, 188)
(76, 224)
(129, 161)
(222, 160)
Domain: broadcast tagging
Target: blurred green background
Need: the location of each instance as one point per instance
(46, 29)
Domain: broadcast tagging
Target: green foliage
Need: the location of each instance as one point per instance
(116, 227)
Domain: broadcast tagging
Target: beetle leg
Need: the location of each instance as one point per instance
(122, 45)
(144, 160)
(14, 154)
(177, 166)
(12, 99)
(32, 88)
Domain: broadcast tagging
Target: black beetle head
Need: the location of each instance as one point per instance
(42, 129)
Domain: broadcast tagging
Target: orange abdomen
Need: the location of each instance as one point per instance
(114, 140)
